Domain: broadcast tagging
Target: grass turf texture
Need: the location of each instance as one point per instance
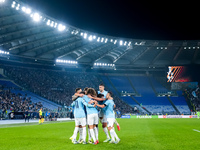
(141, 134)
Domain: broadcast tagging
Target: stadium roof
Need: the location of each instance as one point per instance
(30, 34)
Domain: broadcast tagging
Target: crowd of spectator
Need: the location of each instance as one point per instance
(193, 96)
(11, 102)
(58, 86)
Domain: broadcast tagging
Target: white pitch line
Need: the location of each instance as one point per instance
(196, 130)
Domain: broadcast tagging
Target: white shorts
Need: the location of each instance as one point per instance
(80, 121)
(110, 122)
(92, 119)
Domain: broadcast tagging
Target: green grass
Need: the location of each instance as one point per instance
(137, 134)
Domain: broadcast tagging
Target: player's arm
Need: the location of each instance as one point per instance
(96, 98)
(73, 104)
(80, 95)
(74, 97)
(91, 102)
(88, 105)
(101, 106)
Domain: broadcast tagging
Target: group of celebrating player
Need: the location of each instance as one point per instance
(86, 104)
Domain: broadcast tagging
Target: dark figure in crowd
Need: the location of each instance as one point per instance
(26, 115)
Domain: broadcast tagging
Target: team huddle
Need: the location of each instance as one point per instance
(86, 104)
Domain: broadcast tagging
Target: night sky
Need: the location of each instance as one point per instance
(163, 20)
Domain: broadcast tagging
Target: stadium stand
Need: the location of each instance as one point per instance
(148, 98)
(57, 86)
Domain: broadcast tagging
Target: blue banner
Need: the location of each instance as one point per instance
(125, 116)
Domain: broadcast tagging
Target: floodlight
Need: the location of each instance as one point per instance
(48, 22)
(36, 17)
(121, 42)
(90, 38)
(106, 40)
(98, 39)
(61, 27)
(55, 25)
(28, 10)
(125, 43)
(23, 9)
(85, 35)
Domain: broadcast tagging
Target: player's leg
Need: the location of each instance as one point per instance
(96, 130)
(42, 119)
(104, 125)
(80, 140)
(83, 123)
(117, 124)
(112, 131)
(84, 135)
(77, 123)
(91, 127)
(89, 136)
(39, 119)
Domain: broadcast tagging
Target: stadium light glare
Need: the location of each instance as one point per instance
(85, 35)
(115, 41)
(4, 52)
(106, 40)
(36, 17)
(28, 10)
(2, 1)
(66, 61)
(18, 5)
(98, 39)
(90, 38)
(48, 22)
(61, 27)
(102, 39)
(23, 9)
(94, 37)
(125, 43)
(121, 42)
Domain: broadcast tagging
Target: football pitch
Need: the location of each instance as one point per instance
(137, 134)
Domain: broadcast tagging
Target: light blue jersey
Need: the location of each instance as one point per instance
(104, 93)
(108, 111)
(79, 111)
(103, 102)
(90, 110)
